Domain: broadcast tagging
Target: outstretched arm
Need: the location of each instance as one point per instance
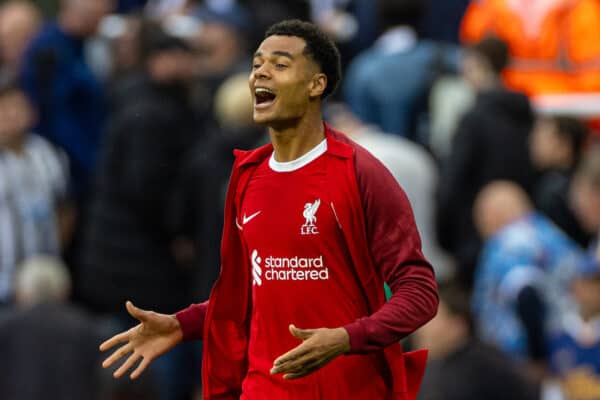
(153, 336)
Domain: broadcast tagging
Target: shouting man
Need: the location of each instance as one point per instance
(314, 227)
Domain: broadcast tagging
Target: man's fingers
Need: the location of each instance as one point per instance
(113, 341)
(301, 333)
(140, 368)
(137, 313)
(309, 366)
(117, 355)
(296, 364)
(306, 367)
(127, 365)
(293, 354)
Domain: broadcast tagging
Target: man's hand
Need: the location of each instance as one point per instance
(154, 335)
(318, 347)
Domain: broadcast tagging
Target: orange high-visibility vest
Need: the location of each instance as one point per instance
(554, 44)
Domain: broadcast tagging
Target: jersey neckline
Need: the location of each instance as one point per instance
(305, 159)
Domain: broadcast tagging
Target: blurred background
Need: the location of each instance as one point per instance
(117, 124)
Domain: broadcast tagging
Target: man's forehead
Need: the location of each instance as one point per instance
(279, 44)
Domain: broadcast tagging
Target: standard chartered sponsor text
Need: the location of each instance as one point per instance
(295, 269)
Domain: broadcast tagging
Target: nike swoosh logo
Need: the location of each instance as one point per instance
(245, 219)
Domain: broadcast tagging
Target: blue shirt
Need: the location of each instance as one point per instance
(529, 252)
(68, 97)
(388, 84)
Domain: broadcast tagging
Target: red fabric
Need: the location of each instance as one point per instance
(384, 245)
(416, 361)
(192, 320)
(297, 268)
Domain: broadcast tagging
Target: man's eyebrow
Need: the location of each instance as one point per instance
(277, 53)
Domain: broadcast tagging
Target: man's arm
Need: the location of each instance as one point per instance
(413, 303)
(191, 320)
(396, 250)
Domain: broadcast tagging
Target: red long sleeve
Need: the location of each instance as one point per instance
(395, 247)
(412, 304)
(192, 319)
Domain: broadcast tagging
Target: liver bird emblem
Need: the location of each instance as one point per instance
(310, 209)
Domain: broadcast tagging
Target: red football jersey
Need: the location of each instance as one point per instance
(302, 274)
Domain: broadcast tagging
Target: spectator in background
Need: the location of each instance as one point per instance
(461, 367)
(19, 22)
(549, 40)
(128, 6)
(352, 24)
(221, 47)
(490, 143)
(206, 173)
(521, 284)
(442, 21)
(267, 12)
(35, 217)
(67, 95)
(575, 348)
(163, 9)
(132, 249)
(124, 34)
(574, 203)
(413, 168)
(371, 90)
(556, 144)
(48, 347)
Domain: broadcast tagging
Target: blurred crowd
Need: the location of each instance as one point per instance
(117, 123)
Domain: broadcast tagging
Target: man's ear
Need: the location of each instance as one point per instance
(318, 83)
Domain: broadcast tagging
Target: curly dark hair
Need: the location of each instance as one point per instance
(319, 47)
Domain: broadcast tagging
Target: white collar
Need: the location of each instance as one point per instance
(305, 159)
(397, 40)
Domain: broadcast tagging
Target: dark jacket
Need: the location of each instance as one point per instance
(198, 204)
(50, 352)
(128, 249)
(490, 143)
(475, 372)
(551, 197)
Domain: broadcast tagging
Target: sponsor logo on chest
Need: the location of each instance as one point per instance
(295, 268)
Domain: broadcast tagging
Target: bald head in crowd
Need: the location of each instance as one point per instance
(233, 102)
(19, 22)
(42, 279)
(497, 205)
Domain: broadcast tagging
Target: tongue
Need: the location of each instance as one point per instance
(264, 97)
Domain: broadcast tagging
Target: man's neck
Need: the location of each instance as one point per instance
(291, 142)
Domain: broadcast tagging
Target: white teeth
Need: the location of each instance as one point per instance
(262, 90)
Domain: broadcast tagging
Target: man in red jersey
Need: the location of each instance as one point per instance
(314, 226)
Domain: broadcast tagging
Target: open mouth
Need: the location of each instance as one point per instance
(264, 97)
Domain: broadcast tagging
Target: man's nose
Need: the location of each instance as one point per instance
(261, 72)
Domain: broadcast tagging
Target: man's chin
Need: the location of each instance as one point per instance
(262, 119)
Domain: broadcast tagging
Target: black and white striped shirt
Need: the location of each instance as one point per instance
(31, 184)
